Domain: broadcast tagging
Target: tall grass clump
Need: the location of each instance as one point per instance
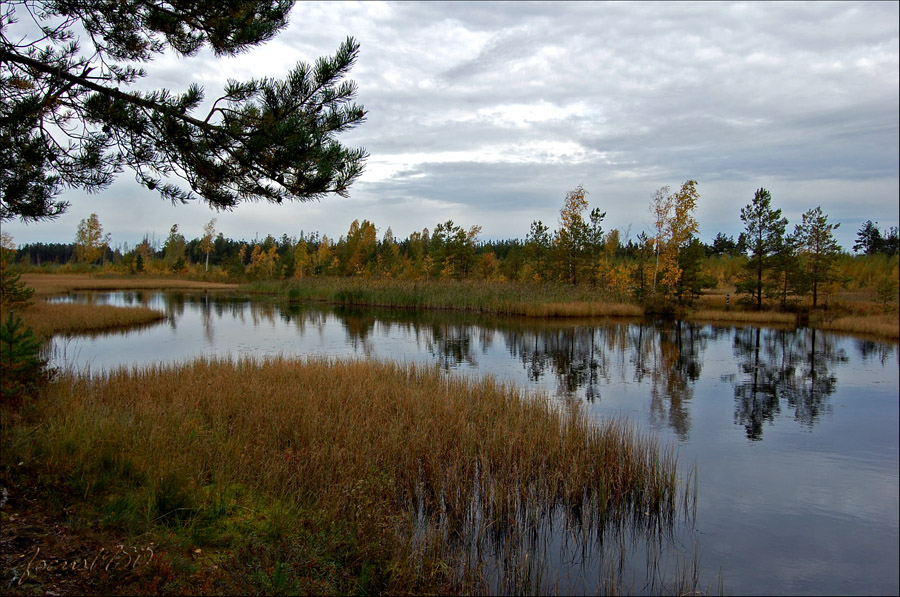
(435, 484)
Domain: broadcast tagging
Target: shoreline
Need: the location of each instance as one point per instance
(489, 299)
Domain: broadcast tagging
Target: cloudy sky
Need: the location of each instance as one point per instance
(488, 113)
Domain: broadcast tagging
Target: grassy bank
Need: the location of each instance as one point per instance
(47, 319)
(861, 315)
(322, 477)
(855, 313)
(51, 284)
(875, 325)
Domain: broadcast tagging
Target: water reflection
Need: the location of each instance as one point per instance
(791, 366)
(778, 371)
(875, 350)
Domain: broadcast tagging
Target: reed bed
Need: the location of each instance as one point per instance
(47, 319)
(430, 478)
(50, 284)
(756, 317)
(507, 298)
(880, 325)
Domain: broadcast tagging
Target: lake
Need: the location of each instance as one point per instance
(793, 433)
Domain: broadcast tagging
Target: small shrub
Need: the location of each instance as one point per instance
(13, 292)
(24, 370)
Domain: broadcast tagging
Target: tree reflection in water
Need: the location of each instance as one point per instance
(452, 344)
(778, 369)
(574, 354)
(676, 357)
(875, 350)
(793, 366)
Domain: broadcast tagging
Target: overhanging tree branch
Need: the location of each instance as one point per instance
(270, 140)
(110, 92)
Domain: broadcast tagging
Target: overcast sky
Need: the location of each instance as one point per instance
(488, 113)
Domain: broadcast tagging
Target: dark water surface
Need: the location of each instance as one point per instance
(793, 433)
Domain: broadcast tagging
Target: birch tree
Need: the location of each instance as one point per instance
(209, 233)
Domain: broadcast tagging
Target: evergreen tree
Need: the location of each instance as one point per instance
(693, 279)
(765, 235)
(818, 249)
(723, 245)
(892, 241)
(69, 120)
(871, 240)
(175, 249)
(595, 243)
(537, 249)
(23, 367)
(786, 276)
(868, 239)
(13, 292)
(644, 254)
(453, 249)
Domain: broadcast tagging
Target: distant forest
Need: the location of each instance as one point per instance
(671, 258)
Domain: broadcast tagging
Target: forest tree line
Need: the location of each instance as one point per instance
(668, 262)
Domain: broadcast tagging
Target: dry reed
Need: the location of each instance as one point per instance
(47, 319)
(758, 317)
(418, 464)
(578, 309)
(880, 325)
(50, 284)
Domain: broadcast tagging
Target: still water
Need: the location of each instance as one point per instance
(793, 433)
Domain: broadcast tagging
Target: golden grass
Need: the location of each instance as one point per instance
(880, 325)
(47, 319)
(577, 309)
(757, 317)
(426, 471)
(49, 284)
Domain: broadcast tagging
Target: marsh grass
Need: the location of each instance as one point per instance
(50, 284)
(47, 319)
(851, 311)
(404, 479)
(757, 317)
(878, 325)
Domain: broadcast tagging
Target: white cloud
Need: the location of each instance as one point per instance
(495, 110)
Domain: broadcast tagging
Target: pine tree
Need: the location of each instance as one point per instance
(68, 118)
(818, 249)
(13, 292)
(23, 367)
(765, 234)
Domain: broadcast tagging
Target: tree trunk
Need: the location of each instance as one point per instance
(759, 273)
